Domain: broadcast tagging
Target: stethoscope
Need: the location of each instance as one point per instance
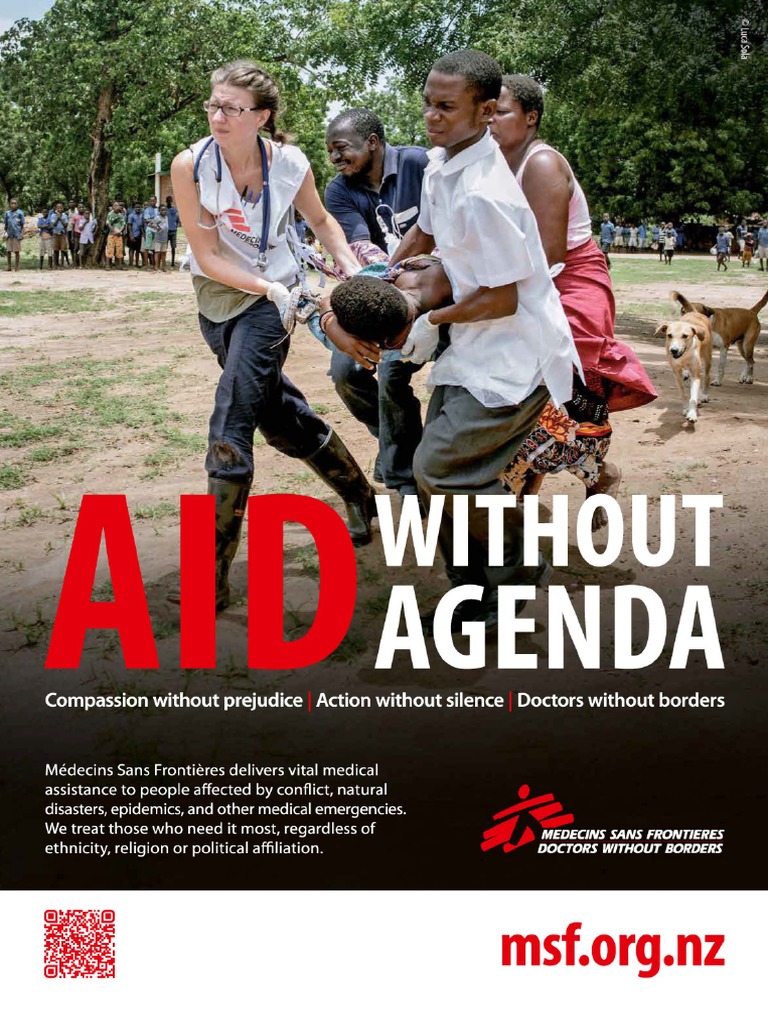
(262, 259)
(392, 235)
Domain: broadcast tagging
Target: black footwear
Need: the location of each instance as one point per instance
(538, 577)
(465, 611)
(231, 501)
(334, 464)
(378, 477)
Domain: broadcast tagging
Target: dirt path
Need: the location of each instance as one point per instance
(111, 393)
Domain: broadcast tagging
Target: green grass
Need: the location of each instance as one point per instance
(684, 270)
(24, 433)
(31, 303)
(159, 511)
(11, 478)
(92, 401)
(686, 472)
(29, 514)
(48, 453)
(33, 629)
(642, 310)
(350, 650)
(308, 562)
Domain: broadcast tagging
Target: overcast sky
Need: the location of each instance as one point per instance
(12, 10)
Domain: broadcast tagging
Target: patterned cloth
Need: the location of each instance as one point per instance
(559, 443)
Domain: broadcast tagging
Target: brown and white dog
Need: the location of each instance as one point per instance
(689, 354)
(729, 324)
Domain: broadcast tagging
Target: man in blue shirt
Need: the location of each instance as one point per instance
(13, 224)
(762, 244)
(722, 248)
(172, 213)
(57, 221)
(741, 234)
(135, 221)
(607, 234)
(375, 196)
(151, 213)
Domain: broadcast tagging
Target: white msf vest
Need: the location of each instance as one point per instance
(239, 224)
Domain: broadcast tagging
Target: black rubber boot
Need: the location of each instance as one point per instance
(537, 576)
(334, 464)
(231, 501)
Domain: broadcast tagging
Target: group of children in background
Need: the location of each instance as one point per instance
(67, 236)
(749, 243)
(626, 237)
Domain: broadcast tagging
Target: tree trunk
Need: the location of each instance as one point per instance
(101, 166)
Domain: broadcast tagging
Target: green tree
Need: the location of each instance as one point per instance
(400, 108)
(15, 153)
(651, 100)
(130, 76)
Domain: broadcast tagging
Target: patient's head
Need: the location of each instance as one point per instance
(371, 309)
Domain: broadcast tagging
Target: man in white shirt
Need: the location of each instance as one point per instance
(511, 346)
(87, 236)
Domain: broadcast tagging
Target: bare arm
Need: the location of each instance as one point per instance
(548, 186)
(325, 227)
(483, 304)
(366, 353)
(205, 244)
(415, 243)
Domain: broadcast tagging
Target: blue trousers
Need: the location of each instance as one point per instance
(388, 407)
(254, 394)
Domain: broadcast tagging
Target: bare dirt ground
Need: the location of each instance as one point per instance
(108, 390)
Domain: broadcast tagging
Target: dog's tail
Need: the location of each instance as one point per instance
(685, 306)
(759, 305)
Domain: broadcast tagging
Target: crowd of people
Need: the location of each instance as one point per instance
(744, 241)
(663, 238)
(66, 235)
(746, 244)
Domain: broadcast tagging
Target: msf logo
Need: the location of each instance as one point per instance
(237, 221)
(524, 822)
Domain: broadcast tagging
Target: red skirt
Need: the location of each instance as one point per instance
(587, 297)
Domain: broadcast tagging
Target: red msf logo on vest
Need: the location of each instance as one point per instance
(237, 221)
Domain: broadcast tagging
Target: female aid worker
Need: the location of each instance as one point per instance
(235, 192)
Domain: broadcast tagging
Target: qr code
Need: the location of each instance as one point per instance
(79, 943)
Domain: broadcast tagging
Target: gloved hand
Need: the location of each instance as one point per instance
(287, 303)
(280, 295)
(421, 343)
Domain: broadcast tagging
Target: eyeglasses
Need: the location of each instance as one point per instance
(227, 109)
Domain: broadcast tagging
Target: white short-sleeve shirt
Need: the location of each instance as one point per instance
(488, 237)
(239, 224)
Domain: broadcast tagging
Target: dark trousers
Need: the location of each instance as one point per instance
(464, 449)
(384, 401)
(254, 394)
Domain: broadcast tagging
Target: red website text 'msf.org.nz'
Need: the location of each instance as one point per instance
(604, 950)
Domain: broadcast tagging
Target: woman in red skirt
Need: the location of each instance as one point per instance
(577, 439)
